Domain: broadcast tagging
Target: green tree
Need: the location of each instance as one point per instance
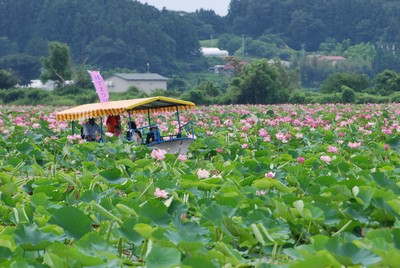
(305, 29)
(177, 83)
(260, 83)
(7, 80)
(37, 47)
(313, 71)
(385, 59)
(196, 96)
(109, 53)
(57, 66)
(348, 95)
(387, 82)
(82, 78)
(230, 42)
(23, 67)
(206, 93)
(7, 46)
(334, 83)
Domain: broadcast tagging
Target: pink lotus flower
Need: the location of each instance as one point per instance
(263, 133)
(386, 147)
(245, 146)
(341, 134)
(300, 160)
(182, 157)
(246, 127)
(109, 134)
(72, 138)
(299, 135)
(267, 139)
(219, 150)
(260, 192)
(203, 174)
(325, 159)
(354, 145)
(387, 131)
(280, 136)
(158, 154)
(160, 193)
(333, 149)
(270, 175)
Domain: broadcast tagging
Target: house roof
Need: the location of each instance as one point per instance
(135, 106)
(141, 76)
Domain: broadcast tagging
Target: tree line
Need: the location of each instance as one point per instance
(258, 82)
(126, 35)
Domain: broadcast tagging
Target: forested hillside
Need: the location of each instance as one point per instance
(107, 34)
(126, 34)
(311, 22)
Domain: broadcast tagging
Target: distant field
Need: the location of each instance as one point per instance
(195, 78)
(209, 43)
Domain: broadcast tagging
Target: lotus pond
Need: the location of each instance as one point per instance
(262, 186)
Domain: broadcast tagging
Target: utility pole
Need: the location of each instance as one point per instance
(242, 45)
(303, 48)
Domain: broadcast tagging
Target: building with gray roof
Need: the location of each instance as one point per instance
(146, 82)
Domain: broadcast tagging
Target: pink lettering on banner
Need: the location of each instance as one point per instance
(100, 85)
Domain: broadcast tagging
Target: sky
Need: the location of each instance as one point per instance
(219, 6)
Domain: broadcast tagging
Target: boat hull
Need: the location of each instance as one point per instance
(174, 146)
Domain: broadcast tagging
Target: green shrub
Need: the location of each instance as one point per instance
(368, 98)
(54, 100)
(394, 97)
(326, 98)
(11, 95)
(35, 96)
(297, 97)
(348, 95)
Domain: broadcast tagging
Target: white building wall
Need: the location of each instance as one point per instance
(149, 86)
(117, 84)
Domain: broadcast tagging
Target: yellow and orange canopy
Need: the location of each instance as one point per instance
(133, 106)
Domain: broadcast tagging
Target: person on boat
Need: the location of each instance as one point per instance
(132, 128)
(117, 131)
(91, 130)
(137, 137)
(153, 135)
(112, 122)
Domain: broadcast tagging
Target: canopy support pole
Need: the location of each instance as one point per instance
(73, 127)
(101, 128)
(130, 120)
(148, 116)
(179, 120)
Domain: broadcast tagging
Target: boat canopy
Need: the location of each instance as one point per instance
(132, 106)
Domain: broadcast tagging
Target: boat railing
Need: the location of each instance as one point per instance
(185, 131)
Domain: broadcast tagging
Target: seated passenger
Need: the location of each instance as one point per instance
(137, 137)
(117, 131)
(132, 128)
(112, 122)
(91, 130)
(153, 135)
